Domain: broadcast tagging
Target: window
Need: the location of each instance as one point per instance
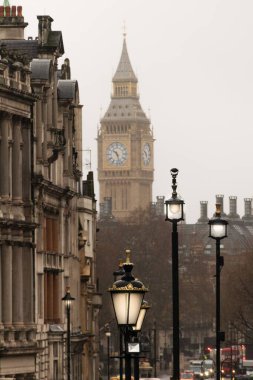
(51, 238)
(52, 297)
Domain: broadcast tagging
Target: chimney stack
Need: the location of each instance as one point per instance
(160, 205)
(44, 28)
(233, 208)
(203, 212)
(247, 210)
(108, 207)
(12, 23)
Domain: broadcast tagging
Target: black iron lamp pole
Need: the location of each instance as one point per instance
(155, 354)
(118, 274)
(108, 335)
(127, 296)
(218, 231)
(67, 299)
(174, 214)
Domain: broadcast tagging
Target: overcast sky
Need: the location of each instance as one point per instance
(194, 62)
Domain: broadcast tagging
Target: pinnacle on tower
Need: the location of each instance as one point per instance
(124, 70)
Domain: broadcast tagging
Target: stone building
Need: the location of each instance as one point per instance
(125, 147)
(47, 213)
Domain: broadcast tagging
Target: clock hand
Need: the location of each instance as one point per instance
(116, 154)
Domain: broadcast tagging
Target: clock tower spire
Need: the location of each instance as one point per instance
(125, 146)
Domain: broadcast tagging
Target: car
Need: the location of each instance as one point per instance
(208, 368)
(196, 366)
(187, 375)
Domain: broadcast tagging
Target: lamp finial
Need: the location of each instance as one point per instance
(218, 210)
(174, 173)
(128, 254)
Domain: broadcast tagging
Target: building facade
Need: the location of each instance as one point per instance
(125, 147)
(47, 213)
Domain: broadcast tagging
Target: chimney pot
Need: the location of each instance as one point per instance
(19, 8)
(1, 11)
(7, 11)
(14, 11)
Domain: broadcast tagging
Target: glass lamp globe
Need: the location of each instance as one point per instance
(174, 209)
(144, 308)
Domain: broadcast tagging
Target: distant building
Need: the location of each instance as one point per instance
(125, 147)
(47, 214)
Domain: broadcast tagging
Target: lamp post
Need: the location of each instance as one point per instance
(117, 274)
(155, 344)
(127, 296)
(67, 299)
(174, 214)
(108, 335)
(218, 231)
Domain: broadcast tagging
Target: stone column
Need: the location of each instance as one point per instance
(39, 129)
(44, 125)
(17, 286)
(17, 161)
(49, 108)
(7, 285)
(66, 135)
(45, 296)
(55, 98)
(50, 296)
(28, 285)
(55, 297)
(26, 160)
(70, 129)
(4, 156)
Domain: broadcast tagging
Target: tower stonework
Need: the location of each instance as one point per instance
(125, 146)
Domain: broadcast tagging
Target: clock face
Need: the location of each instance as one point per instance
(116, 153)
(146, 154)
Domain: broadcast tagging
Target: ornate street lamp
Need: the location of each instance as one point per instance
(127, 296)
(174, 214)
(67, 299)
(174, 205)
(218, 231)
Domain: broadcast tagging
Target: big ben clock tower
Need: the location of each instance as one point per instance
(125, 146)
